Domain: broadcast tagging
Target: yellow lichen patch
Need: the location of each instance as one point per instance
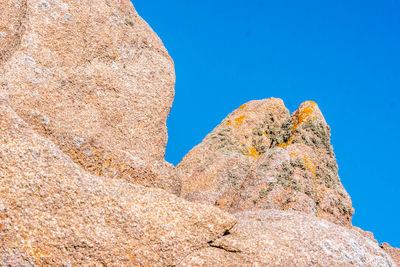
(239, 120)
(250, 151)
(38, 254)
(253, 153)
(288, 142)
(305, 113)
(243, 106)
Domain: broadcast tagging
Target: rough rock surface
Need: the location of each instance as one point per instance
(394, 253)
(52, 212)
(283, 238)
(85, 90)
(260, 157)
(95, 79)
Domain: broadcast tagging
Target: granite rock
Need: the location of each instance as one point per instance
(287, 238)
(394, 253)
(260, 157)
(53, 212)
(95, 79)
(85, 91)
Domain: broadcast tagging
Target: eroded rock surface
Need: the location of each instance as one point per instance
(260, 157)
(282, 238)
(92, 77)
(85, 90)
(52, 212)
(394, 253)
(12, 18)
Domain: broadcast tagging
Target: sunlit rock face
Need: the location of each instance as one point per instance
(95, 79)
(54, 213)
(394, 253)
(260, 157)
(85, 90)
(285, 238)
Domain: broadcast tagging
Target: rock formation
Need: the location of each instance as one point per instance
(53, 212)
(93, 78)
(85, 90)
(288, 239)
(260, 157)
(393, 252)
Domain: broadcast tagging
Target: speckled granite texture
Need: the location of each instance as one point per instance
(260, 157)
(85, 91)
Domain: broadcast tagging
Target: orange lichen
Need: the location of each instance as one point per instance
(38, 254)
(289, 142)
(239, 120)
(243, 106)
(305, 113)
(251, 152)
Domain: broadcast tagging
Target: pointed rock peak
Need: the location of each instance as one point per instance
(260, 157)
(310, 128)
(256, 125)
(306, 113)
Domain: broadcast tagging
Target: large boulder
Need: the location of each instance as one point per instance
(283, 238)
(260, 157)
(95, 79)
(52, 212)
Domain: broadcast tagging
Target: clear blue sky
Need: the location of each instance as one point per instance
(343, 54)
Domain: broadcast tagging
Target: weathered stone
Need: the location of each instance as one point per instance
(367, 234)
(52, 212)
(259, 158)
(214, 170)
(92, 77)
(12, 18)
(85, 91)
(394, 253)
(282, 238)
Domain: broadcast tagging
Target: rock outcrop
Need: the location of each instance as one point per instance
(393, 252)
(260, 157)
(52, 212)
(95, 79)
(85, 90)
(282, 238)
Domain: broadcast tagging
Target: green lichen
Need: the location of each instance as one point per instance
(309, 192)
(129, 22)
(279, 133)
(328, 176)
(224, 141)
(284, 176)
(234, 180)
(299, 163)
(263, 193)
(319, 134)
(258, 144)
